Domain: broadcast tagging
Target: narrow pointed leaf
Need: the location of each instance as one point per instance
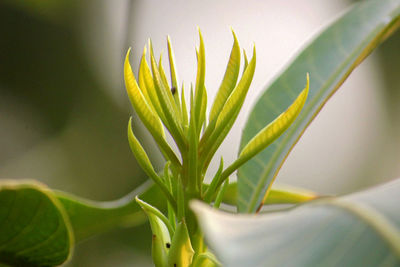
(171, 122)
(269, 134)
(192, 179)
(171, 97)
(229, 80)
(199, 92)
(146, 165)
(236, 99)
(246, 61)
(229, 113)
(146, 114)
(329, 58)
(142, 81)
(161, 237)
(185, 119)
(139, 102)
(171, 57)
(181, 251)
(361, 229)
(273, 130)
(147, 77)
(203, 112)
(153, 210)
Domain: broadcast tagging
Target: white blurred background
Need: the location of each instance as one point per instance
(348, 145)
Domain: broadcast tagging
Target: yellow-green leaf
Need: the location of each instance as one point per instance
(273, 130)
(171, 121)
(139, 102)
(171, 57)
(146, 114)
(229, 80)
(181, 251)
(147, 77)
(161, 238)
(171, 97)
(200, 77)
(228, 114)
(145, 163)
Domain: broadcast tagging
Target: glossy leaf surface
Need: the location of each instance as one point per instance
(361, 229)
(329, 59)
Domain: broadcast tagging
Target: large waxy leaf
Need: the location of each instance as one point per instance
(38, 226)
(329, 59)
(361, 229)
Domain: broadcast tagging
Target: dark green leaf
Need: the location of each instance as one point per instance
(34, 228)
(38, 226)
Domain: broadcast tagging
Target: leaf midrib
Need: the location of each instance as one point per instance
(390, 28)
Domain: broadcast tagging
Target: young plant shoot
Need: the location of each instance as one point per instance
(161, 104)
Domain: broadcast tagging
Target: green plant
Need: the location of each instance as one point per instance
(197, 138)
(39, 226)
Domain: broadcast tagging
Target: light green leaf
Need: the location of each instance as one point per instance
(279, 194)
(139, 102)
(228, 115)
(146, 112)
(143, 68)
(246, 61)
(161, 236)
(146, 165)
(200, 89)
(151, 95)
(154, 211)
(185, 119)
(34, 228)
(267, 135)
(171, 97)
(181, 251)
(361, 229)
(171, 117)
(171, 57)
(229, 80)
(273, 130)
(193, 179)
(173, 72)
(206, 259)
(329, 59)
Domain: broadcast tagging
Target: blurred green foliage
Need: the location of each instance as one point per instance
(59, 124)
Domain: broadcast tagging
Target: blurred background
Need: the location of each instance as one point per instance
(64, 110)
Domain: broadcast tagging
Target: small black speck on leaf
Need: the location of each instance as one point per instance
(168, 245)
(173, 90)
